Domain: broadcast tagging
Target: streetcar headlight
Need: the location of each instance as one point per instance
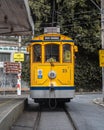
(52, 74)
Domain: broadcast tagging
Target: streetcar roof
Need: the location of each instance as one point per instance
(52, 38)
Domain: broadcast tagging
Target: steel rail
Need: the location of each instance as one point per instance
(37, 121)
(70, 118)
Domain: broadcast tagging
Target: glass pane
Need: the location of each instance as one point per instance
(37, 53)
(27, 57)
(52, 53)
(4, 56)
(66, 53)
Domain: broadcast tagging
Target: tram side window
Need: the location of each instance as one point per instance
(66, 53)
(37, 53)
(52, 53)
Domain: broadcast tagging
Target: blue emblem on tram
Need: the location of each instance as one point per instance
(40, 74)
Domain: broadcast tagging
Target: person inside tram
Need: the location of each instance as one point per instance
(51, 59)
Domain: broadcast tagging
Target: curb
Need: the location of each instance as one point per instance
(99, 101)
(11, 116)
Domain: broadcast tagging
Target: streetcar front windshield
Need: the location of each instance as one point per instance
(52, 53)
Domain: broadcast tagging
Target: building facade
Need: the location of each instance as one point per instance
(7, 50)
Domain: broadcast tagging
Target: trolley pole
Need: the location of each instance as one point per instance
(102, 37)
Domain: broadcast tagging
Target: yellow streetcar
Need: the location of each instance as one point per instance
(52, 60)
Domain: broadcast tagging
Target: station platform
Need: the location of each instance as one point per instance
(11, 106)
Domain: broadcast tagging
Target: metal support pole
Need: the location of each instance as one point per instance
(4, 82)
(102, 37)
(19, 83)
(53, 13)
(19, 72)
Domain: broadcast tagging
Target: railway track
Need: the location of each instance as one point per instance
(37, 118)
(36, 124)
(70, 118)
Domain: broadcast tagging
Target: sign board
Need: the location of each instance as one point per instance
(101, 58)
(12, 67)
(18, 56)
(12, 49)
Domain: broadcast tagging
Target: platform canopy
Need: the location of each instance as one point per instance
(15, 18)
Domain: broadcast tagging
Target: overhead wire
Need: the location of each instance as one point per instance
(96, 5)
(44, 5)
(86, 12)
(79, 13)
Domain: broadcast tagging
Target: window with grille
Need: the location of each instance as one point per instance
(4, 57)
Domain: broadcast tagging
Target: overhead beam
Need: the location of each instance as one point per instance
(15, 18)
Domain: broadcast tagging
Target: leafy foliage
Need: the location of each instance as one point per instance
(26, 71)
(41, 13)
(83, 25)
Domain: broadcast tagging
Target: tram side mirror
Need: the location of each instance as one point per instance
(75, 48)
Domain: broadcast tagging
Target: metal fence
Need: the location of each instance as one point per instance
(10, 80)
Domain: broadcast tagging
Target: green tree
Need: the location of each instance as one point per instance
(41, 14)
(81, 20)
(26, 71)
